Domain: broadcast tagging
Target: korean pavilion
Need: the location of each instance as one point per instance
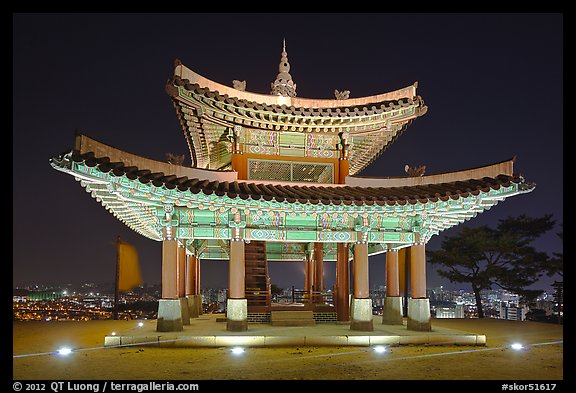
(274, 177)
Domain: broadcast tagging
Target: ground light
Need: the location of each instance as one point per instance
(113, 333)
(140, 324)
(64, 351)
(380, 349)
(237, 350)
(517, 346)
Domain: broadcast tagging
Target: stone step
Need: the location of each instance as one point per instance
(292, 318)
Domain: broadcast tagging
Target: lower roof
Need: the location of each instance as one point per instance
(202, 206)
(196, 182)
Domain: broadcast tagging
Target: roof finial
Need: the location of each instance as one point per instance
(284, 85)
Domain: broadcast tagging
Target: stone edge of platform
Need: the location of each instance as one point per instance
(278, 341)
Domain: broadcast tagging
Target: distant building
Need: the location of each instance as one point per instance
(456, 311)
(445, 312)
(512, 313)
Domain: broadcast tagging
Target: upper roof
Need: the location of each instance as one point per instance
(290, 105)
(209, 111)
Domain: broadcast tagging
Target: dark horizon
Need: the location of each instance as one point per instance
(493, 84)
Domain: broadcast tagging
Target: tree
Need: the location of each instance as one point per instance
(556, 264)
(503, 257)
(275, 290)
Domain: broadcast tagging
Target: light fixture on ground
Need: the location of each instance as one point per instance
(64, 351)
(517, 346)
(237, 350)
(380, 349)
(140, 324)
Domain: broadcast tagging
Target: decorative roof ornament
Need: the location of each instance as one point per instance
(175, 159)
(415, 171)
(239, 85)
(284, 85)
(342, 95)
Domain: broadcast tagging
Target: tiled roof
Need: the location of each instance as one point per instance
(343, 111)
(346, 195)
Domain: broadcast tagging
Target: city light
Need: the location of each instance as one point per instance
(237, 350)
(64, 351)
(517, 346)
(380, 349)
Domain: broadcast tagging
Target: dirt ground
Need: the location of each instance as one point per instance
(90, 361)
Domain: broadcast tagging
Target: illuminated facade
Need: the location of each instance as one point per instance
(274, 178)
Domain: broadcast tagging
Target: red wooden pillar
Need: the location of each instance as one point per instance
(319, 269)
(418, 271)
(237, 304)
(392, 274)
(342, 283)
(181, 270)
(169, 269)
(419, 304)
(190, 275)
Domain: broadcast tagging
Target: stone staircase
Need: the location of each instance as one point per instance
(292, 318)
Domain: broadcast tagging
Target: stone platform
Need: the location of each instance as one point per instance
(206, 331)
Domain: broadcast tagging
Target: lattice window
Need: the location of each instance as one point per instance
(290, 171)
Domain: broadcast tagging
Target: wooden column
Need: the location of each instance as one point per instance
(169, 269)
(306, 274)
(181, 270)
(418, 271)
(418, 304)
(310, 270)
(198, 285)
(237, 304)
(319, 268)
(361, 317)
(172, 308)
(237, 270)
(392, 274)
(342, 283)
(343, 162)
(392, 311)
(404, 275)
(361, 283)
(190, 275)
(343, 170)
(238, 158)
(239, 164)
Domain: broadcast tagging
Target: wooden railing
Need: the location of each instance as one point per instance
(306, 297)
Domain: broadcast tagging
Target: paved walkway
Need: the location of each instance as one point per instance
(206, 331)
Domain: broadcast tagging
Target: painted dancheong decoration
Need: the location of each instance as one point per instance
(274, 178)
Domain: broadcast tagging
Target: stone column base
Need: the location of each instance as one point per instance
(237, 315)
(192, 305)
(361, 315)
(351, 305)
(185, 311)
(169, 315)
(419, 315)
(392, 313)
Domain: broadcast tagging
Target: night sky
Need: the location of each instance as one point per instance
(493, 84)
